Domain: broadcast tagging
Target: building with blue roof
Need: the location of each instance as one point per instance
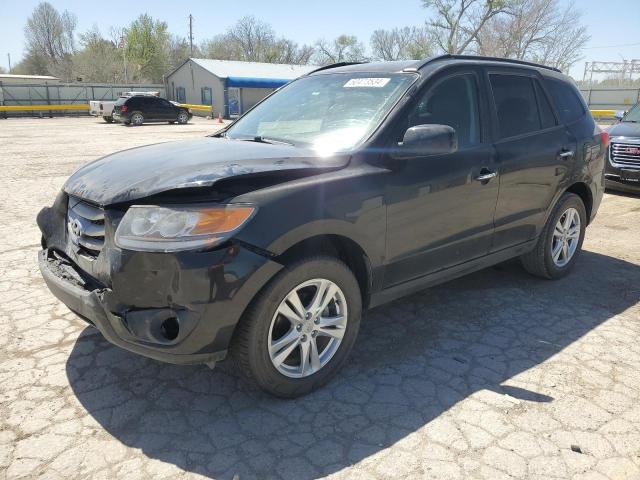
(230, 87)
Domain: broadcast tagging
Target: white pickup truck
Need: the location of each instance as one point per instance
(104, 108)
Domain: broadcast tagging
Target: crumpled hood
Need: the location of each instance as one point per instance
(144, 171)
(624, 129)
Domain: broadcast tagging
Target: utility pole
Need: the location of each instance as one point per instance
(9, 57)
(123, 46)
(191, 34)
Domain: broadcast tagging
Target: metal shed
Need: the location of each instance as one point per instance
(230, 87)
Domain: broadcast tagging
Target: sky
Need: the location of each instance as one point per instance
(612, 24)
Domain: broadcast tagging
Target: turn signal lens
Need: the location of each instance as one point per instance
(218, 220)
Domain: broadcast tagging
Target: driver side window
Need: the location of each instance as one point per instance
(453, 102)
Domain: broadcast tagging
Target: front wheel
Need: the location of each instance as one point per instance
(108, 119)
(299, 331)
(561, 240)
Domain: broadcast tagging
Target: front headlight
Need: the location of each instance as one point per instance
(171, 229)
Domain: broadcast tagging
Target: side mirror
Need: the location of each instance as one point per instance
(423, 140)
(619, 115)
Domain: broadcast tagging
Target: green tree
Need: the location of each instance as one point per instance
(99, 60)
(147, 49)
(32, 64)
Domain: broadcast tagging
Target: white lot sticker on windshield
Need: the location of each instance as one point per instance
(367, 82)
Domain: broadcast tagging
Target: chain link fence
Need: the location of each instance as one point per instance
(64, 94)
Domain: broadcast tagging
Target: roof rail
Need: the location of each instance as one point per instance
(480, 57)
(334, 65)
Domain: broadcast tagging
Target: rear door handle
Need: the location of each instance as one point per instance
(565, 154)
(486, 175)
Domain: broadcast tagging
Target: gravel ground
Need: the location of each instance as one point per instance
(495, 375)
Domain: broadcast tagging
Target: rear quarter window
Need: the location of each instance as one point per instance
(567, 99)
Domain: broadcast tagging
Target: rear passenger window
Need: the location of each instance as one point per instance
(546, 114)
(567, 102)
(516, 105)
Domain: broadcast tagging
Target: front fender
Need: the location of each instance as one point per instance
(340, 203)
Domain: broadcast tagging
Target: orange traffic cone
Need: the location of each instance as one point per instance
(220, 118)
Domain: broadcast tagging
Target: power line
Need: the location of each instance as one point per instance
(614, 46)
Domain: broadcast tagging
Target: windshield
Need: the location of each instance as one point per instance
(633, 115)
(328, 113)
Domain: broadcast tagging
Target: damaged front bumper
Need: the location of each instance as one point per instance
(174, 307)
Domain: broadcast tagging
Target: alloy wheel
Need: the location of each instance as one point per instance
(307, 328)
(566, 237)
(137, 119)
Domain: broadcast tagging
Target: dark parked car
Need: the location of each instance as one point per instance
(349, 187)
(138, 109)
(623, 167)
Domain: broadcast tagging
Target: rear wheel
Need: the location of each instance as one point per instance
(108, 119)
(137, 119)
(183, 117)
(561, 240)
(299, 331)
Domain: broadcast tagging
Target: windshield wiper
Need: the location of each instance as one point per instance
(270, 141)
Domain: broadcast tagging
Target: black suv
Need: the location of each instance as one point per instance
(623, 167)
(350, 187)
(139, 109)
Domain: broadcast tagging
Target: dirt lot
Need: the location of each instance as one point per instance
(496, 375)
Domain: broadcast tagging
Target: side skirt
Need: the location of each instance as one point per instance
(426, 281)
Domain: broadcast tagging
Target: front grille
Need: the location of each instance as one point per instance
(625, 154)
(85, 226)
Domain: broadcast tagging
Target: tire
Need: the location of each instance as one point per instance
(263, 325)
(108, 119)
(136, 118)
(540, 261)
(183, 117)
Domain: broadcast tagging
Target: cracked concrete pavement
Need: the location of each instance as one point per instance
(495, 375)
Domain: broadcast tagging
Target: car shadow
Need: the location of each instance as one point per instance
(414, 359)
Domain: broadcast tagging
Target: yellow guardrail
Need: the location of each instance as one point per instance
(79, 106)
(206, 108)
(15, 108)
(603, 113)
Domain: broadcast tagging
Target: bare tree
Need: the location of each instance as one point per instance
(179, 50)
(401, 43)
(537, 30)
(456, 24)
(345, 48)
(220, 48)
(51, 35)
(285, 50)
(253, 40)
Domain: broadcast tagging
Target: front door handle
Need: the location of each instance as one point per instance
(486, 175)
(565, 154)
